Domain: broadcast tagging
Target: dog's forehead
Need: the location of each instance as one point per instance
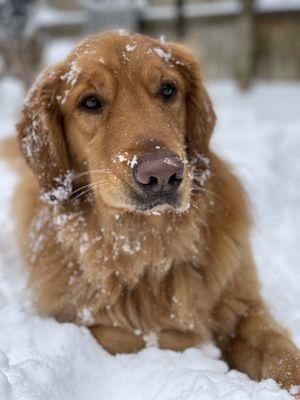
(122, 50)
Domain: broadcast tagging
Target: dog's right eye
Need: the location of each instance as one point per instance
(91, 103)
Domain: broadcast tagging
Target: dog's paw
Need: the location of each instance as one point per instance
(283, 365)
(287, 374)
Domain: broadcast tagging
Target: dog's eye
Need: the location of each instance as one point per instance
(168, 90)
(91, 103)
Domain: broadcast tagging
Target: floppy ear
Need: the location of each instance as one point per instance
(41, 136)
(201, 117)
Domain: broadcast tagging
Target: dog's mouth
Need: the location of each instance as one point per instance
(161, 201)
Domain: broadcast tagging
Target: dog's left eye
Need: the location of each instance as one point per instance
(168, 90)
(91, 103)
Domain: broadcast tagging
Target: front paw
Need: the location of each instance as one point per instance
(284, 366)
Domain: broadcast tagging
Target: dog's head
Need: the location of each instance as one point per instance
(124, 117)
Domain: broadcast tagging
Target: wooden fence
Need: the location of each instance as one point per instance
(230, 41)
(217, 35)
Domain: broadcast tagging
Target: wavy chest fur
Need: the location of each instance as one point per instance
(139, 257)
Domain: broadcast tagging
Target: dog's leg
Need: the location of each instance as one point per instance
(250, 339)
(116, 340)
(262, 349)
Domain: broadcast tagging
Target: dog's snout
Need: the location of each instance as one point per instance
(160, 174)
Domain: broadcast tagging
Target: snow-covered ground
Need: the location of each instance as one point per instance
(41, 359)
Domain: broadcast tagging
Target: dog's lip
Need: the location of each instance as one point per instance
(149, 202)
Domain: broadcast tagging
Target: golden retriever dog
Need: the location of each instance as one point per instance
(129, 223)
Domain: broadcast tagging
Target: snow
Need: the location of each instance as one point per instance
(41, 359)
(72, 75)
(122, 32)
(263, 141)
(162, 54)
(11, 89)
(130, 48)
(57, 50)
(61, 191)
(45, 16)
(277, 5)
(70, 78)
(108, 5)
(123, 158)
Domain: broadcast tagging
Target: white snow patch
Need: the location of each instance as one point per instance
(124, 158)
(150, 340)
(294, 390)
(86, 316)
(122, 32)
(62, 190)
(56, 50)
(71, 75)
(166, 56)
(130, 48)
(134, 161)
(169, 161)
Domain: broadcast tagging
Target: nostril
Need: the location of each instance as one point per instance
(174, 179)
(153, 181)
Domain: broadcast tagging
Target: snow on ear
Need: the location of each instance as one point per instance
(41, 136)
(200, 114)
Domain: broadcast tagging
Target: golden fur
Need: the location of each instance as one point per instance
(94, 257)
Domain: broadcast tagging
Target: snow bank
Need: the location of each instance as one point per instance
(41, 359)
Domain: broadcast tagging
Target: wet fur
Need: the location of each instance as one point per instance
(187, 276)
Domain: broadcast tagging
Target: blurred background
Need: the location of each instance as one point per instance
(237, 39)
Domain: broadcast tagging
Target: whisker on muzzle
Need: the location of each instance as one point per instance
(81, 191)
(93, 171)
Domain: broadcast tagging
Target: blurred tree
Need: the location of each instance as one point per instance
(246, 57)
(14, 19)
(180, 19)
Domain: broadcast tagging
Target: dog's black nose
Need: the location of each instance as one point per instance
(159, 174)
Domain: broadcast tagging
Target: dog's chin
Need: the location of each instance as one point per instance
(153, 204)
(135, 202)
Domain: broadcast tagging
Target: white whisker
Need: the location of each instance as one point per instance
(93, 171)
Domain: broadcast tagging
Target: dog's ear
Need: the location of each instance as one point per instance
(201, 117)
(41, 136)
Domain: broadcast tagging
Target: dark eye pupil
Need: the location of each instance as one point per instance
(91, 103)
(168, 91)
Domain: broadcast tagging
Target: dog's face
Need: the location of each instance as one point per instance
(131, 114)
(126, 117)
